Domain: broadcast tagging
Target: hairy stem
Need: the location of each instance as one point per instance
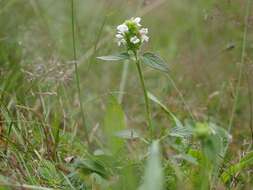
(148, 112)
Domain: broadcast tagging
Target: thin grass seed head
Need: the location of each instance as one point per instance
(131, 35)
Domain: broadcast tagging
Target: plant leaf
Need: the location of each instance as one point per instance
(180, 131)
(114, 122)
(154, 61)
(245, 162)
(155, 100)
(116, 57)
(186, 157)
(153, 178)
(88, 166)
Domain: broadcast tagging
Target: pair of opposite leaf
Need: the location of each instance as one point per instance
(131, 35)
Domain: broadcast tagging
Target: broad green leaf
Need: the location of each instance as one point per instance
(114, 122)
(245, 162)
(153, 178)
(154, 61)
(116, 57)
(88, 166)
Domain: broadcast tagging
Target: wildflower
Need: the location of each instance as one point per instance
(135, 40)
(143, 31)
(144, 37)
(131, 34)
(119, 36)
(136, 20)
(122, 28)
(122, 41)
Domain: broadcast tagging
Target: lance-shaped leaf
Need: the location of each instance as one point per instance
(154, 61)
(116, 57)
(114, 122)
(179, 130)
(153, 178)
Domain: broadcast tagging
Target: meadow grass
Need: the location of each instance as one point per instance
(71, 121)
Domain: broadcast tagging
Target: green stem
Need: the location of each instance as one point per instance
(77, 74)
(148, 112)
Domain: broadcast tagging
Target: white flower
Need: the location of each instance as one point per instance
(143, 31)
(135, 40)
(137, 21)
(122, 41)
(119, 36)
(122, 28)
(144, 38)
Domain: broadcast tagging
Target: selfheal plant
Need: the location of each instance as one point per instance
(132, 36)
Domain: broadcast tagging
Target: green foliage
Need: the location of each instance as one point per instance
(49, 174)
(154, 61)
(153, 178)
(243, 164)
(116, 57)
(90, 166)
(114, 122)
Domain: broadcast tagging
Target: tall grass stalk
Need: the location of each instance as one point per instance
(237, 92)
(76, 72)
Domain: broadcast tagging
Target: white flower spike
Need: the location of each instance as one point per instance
(131, 34)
